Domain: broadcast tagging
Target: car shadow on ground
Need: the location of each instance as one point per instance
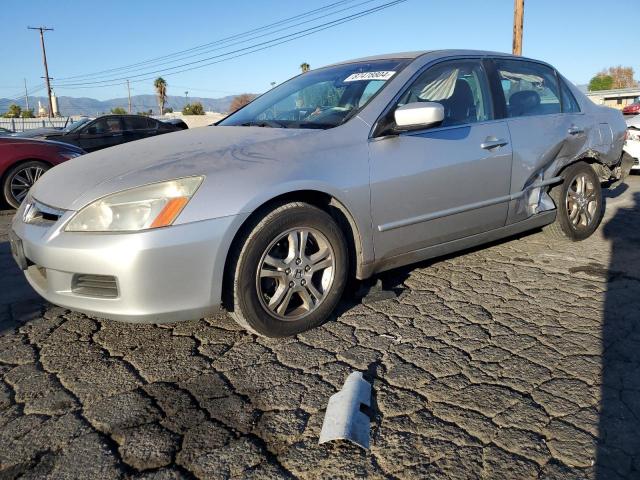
(390, 284)
(18, 300)
(619, 420)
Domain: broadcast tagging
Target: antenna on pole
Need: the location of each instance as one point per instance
(46, 68)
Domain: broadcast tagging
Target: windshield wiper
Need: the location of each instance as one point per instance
(264, 123)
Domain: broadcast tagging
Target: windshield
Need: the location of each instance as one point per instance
(75, 125)
(322, 98)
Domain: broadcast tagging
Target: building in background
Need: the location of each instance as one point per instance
(618, 98)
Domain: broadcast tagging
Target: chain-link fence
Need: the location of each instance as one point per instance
(22, 124)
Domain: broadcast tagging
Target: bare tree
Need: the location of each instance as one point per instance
(240, 101)
(622, 77)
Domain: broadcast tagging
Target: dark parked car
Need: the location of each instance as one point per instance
(24, 160)
(110, 130)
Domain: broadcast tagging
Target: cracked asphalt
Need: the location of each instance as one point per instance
(518, 360)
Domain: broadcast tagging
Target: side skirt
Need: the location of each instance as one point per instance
(531, 223)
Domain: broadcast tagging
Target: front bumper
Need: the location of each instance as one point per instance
(162, 275)
(632, 147)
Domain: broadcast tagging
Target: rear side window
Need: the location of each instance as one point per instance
(135, 123)
(569, 103)
(529, 88)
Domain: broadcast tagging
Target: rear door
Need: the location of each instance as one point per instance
(156, 127)
(136, 127)
(542, 131)
(446, 182)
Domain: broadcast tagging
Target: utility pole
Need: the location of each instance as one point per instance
(518, 20)
(46, 68)
(186, 98)
(129, 94)
(26, 95)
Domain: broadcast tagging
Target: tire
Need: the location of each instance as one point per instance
(265, 271)
(580, 206)
(19, 179)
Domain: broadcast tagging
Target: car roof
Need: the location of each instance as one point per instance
(433, 53)
(120, 115)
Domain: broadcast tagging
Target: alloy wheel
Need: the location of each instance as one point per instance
(295, 273)
(23, 180)
(582, 201)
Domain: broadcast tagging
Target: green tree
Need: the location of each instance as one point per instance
(118, 111)
(194, 108)
(13, 111)
(601, 82)
(27, 113)
(168, 110)
(305, 67)
(160, 85)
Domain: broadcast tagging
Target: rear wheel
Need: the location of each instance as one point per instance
(290, 271)
(579, 204)
(20, 178)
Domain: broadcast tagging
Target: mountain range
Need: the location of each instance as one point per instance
(90, 106)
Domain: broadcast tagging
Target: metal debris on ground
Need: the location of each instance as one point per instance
(345, 418)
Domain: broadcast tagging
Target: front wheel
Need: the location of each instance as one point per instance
(290, 271)
(579, 204)
(20, 178)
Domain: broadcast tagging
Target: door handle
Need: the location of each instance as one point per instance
(575, 130)
(493, 142)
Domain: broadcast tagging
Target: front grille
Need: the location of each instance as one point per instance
(39, 213)
(103, 286)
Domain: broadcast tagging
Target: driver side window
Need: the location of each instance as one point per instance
(461, 87)
(104, 125)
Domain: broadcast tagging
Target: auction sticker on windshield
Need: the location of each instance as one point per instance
(357, 77)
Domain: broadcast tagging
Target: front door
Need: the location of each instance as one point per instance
(101, 133)
(443, 183)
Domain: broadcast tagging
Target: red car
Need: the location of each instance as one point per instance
(632, 109)
(23, 161)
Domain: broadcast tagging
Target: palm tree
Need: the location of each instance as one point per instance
(161, 91)
(305, 67)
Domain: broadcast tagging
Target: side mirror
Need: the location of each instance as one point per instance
(414, 116)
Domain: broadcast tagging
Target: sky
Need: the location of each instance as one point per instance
(579, 37)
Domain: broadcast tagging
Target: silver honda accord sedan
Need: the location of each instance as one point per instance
(344, 171)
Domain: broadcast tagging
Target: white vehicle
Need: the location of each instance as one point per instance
(632, 145)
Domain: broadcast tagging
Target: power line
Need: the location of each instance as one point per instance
(209, 50)
(247, 50)
(217, 42)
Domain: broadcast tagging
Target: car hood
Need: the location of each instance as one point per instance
(209, 151)
(38, 132)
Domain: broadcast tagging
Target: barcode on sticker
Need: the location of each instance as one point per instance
(357, 77)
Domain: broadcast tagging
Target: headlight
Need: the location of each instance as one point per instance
(151, 206)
